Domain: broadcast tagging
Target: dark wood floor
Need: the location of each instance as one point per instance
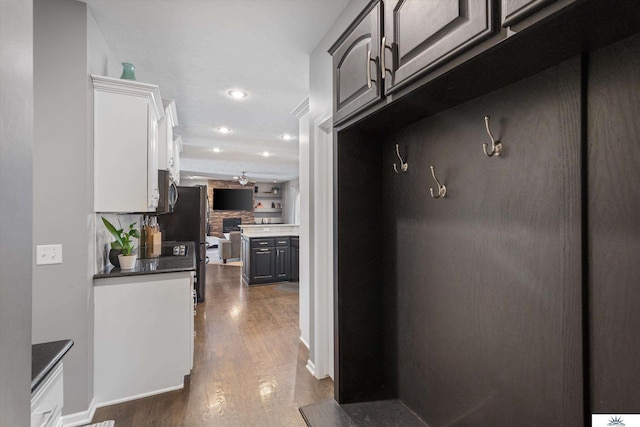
(249, 367)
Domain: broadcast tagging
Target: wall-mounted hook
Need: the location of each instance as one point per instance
(442, 189)
(403, 166)
(496, 146)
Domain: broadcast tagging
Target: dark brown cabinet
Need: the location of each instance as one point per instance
(356, 74)
(271, 259)
(513, 11)
(282, 263)
(263, 265)
(420, 35)
(294, 273)
(512, 299)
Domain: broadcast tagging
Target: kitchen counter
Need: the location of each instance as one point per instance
(44, 357)
(161, 264)
(270, 230)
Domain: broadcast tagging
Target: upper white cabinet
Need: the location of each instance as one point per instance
(165, 136)
(126, 117)
(174, 170)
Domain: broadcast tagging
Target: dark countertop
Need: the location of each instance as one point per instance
(44, 357)
(162, 264)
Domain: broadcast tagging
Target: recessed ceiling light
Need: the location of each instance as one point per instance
(224, 129)
(266, 153)
(274, 181)
(237, 93)
(236, 177)
(287, 137)
(216, 150)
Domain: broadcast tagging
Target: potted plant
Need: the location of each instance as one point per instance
(123, 243)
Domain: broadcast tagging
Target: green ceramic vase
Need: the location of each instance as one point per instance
(128, 71)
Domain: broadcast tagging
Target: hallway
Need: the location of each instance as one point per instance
(249, 365)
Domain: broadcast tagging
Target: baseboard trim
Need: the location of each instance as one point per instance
(80, 418)
(306, 344)
(311, 367)
(139, 396)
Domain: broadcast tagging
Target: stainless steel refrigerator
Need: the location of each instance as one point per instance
(189, 222)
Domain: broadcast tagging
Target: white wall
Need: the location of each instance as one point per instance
(68, 46)
(290, 192)
(317, 186)
(306, 231)
(16, 198)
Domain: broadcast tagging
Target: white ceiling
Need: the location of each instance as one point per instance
(196, 50)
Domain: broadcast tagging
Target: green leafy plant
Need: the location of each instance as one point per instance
(123, 238)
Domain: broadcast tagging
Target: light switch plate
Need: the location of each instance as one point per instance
(48, 254)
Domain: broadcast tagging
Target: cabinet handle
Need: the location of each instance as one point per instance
(369, 68)
(265, 250)
(264, 243)
(383, 63)
(174, 200)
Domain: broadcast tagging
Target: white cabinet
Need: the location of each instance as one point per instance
(174, 171)
(126, 116)
(165, 137)
(143, 337)
(47, 400)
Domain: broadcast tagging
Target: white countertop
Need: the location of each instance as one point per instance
(270, 230)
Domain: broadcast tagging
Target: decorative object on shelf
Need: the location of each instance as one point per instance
(442, 189)
(275, 190)
(124, 243)
(113, 257)
(243, 179)
(273, 205)
(259, 205)
(255, 189)
(128, 71)
(403, 166)
(278, 205)
(496, 146)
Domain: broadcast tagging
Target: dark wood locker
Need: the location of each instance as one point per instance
(614, 226)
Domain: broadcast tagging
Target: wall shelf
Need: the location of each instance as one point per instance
(267, 196)
(267, 210)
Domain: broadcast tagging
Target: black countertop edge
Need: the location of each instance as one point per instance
(163, 264)
(44, 357)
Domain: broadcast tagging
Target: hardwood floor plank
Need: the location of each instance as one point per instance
(249, 364)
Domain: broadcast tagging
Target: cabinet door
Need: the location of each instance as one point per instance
(515, 10)
(282, 263)
(153, 189)
(295, 260)
(420, 35)
(262, 265)
(356, 75)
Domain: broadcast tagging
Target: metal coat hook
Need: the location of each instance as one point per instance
(403, 166)
(496, 146)
(442, 189)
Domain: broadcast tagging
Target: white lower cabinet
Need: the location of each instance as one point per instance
(47, 401)
(144, 333)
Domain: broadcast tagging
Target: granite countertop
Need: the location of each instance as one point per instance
(161, 264)
(274, 233)
(44, 357)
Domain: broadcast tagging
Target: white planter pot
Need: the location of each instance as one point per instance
(127, 262)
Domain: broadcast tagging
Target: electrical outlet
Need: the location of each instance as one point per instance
(48, 254)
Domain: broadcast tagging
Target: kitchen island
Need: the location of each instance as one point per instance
(144, 327)
(270, 253)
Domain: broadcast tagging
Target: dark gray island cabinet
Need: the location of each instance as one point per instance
(269, 259)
